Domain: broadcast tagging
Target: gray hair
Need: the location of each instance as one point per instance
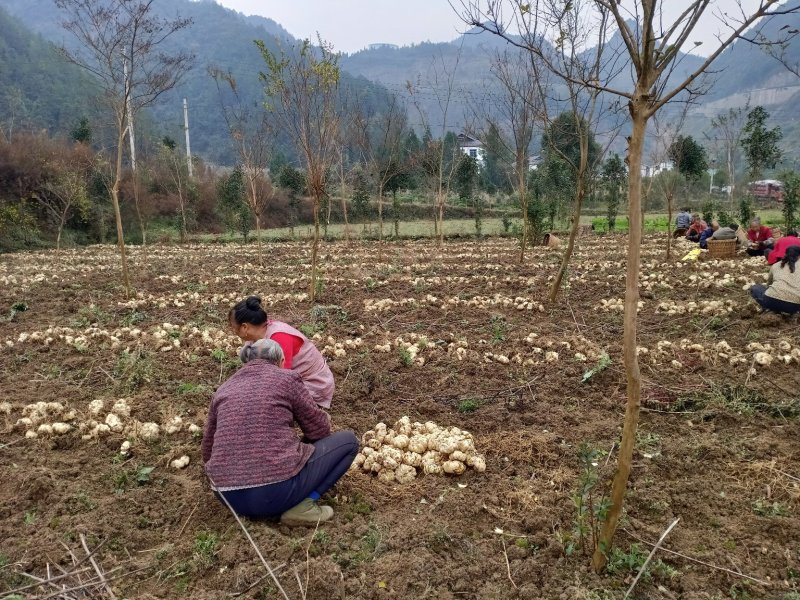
(264, 349)
(756, 220)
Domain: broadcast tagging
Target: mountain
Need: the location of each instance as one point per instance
(219, 37)
(37, 89)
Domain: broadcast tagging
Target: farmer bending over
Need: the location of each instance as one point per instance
(252, 453)
(782, 292)
(249, 321)
(779, 251)
(760, 236)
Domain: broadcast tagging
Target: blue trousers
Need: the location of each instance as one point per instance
(331, 458)
(773, 304)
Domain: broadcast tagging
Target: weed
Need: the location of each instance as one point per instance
(648, 443)
(30, 517)
(589, 513)
(133, 318)
(602, 365)
(499, 328)
(322, 538)
(143, 474)
(764, 508)
(120, 481)
(523, 543)
(134, 370)
(372, 284)
(423, 343)
(356, 506)
(205, 546)
(440, 539)
(744, 401)
(16, 308)
(193, 388)
(738, 591)
(468, 405)
(621, 562)
(319, 287)
(405, 357)
(311, 329)
(88, 315)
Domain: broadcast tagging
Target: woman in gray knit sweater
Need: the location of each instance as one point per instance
(251, 450)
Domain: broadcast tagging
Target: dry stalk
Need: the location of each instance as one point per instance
(508, 565)
(252, 543)
(189, 518)
(96, 566)
(700, 562)
(656, 546)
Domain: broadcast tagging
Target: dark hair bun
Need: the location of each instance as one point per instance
(253, 302)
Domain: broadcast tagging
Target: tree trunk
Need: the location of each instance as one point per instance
(118, 213)
(440, 216)
(633, 376)
(346, 223)
(61, 223)
(576, 224)
(380, 212)
(396, 211)
(312, 293)
(138, 208)
(523, 203)
(435, 216)
(258, 240)
(669, 225)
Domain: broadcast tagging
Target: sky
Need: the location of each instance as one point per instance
(351, 25)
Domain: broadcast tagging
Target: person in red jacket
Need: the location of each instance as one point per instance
(779, 251)
(251, 452)
(760, 237)
(250, 322)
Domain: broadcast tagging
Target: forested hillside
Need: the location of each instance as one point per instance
(37, 88)
(219, 37)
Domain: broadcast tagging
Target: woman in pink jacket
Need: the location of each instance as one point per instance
(249, 321)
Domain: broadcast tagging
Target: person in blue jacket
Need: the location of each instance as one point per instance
(707, 233)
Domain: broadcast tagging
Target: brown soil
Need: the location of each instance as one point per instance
(718, 446)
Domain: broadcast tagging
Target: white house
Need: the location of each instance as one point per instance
(472, 147)
(653, 170)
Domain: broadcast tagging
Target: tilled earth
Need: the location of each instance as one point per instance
(717, 447)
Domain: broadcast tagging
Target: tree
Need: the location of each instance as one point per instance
(791, 199)
(380, 139)
(689, 157)
(727, 129)
(301, 95)
(232, 202)
(438, 157)
(613, 176)
(360, 194)
(177, 181)
(82, 133)
(760, 144)
(252, 136)
(519, 105)
(465, 181)
(293, 181)
(66, 188)
(116, 37)
(650, 45)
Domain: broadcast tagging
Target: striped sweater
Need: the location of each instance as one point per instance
(249, 438)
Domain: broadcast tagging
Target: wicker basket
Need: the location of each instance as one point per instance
(721, 248)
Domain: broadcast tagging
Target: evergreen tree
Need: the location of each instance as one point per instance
(760, 144)
(689, 157)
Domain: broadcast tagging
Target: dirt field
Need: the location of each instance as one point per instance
(718, 443)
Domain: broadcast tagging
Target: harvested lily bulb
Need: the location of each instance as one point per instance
(180, 463)
(408, 449)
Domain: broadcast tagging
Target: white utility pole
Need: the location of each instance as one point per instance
(131, 135)
(186, 131)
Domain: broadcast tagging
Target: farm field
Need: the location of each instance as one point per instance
(541, 388)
